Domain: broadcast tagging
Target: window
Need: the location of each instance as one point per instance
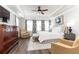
(17, 24)
(29, 25)
(38, 25)
(46, 25)
(17, 21)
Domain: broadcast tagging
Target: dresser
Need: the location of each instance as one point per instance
(69, 36)
(8, 37)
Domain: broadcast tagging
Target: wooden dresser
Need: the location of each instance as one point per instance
(8, 37)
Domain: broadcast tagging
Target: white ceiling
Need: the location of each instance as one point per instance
(26, 10)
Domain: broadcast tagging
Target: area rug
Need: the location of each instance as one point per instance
(37, 45)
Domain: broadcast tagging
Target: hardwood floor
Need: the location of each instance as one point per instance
(22, 46)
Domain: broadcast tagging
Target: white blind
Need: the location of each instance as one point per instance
(38, 25)
(29, 25)
(46, 25)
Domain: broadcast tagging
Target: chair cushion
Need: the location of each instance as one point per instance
(66, 42)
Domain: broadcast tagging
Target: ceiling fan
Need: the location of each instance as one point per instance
(40, 10)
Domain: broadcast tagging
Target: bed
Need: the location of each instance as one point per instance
(49, 36)
(45, 40)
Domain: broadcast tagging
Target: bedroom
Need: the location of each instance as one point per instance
(39, 26)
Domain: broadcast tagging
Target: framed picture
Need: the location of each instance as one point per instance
(59, 20)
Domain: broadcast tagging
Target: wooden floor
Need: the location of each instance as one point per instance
(22, 46)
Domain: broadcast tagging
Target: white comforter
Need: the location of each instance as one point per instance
(43, 36)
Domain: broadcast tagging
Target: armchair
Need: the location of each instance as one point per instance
(65, 47)
(25, 34)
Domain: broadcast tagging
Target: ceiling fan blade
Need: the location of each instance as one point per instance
(42, 12)
(45, 10)
(39, 10)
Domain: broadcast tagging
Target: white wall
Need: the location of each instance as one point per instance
(71, 18)
(37, 17)
(22, 23)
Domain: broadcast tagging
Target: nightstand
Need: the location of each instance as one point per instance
(69, 36)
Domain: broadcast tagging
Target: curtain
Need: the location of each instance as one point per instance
(34, 26)
(42, 25)
(26, 25)
(50, 30)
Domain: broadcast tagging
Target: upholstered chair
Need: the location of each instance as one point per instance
(65, 47)
(25, 34)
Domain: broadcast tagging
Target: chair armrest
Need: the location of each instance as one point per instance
(58, 44)
(60, 48)
(66, 42)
